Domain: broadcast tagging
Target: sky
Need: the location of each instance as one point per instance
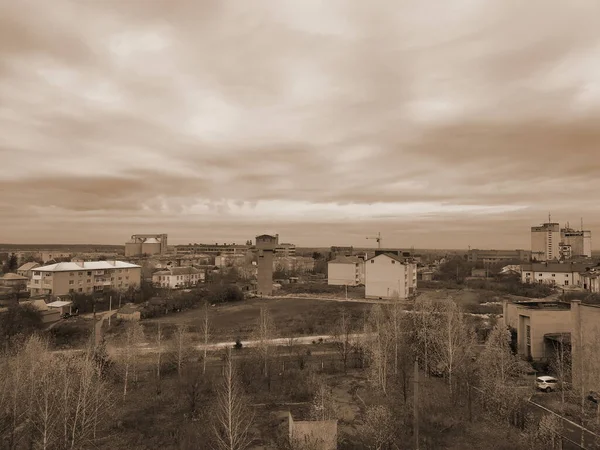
(438, 124)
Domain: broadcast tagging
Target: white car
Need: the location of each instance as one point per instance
(546, 383)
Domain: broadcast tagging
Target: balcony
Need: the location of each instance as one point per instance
(102, 282)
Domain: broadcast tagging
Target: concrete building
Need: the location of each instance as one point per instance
(346, 271)
(313, 434)
(590, 280)
(265, 247)
(146, 244)
(585, 339)
(13, 280)
(554, 273)
(537, 324)
(494, 256)
(84, 277)
(46, 256)
(232, 260)
(579, 241)
(285, 249)
(389, 276)
(545, 240)
(216, 249)
(300, 264)
(178, 277)
(62, 306)
(26, 269)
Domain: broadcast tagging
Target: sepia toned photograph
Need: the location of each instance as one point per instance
(299, 225)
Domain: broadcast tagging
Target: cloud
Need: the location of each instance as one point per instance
(326, 121)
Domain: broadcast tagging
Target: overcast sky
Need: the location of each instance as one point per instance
(439, 124)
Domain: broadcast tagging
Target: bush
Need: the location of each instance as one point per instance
(225, 293)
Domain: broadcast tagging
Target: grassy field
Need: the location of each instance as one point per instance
(291, 317)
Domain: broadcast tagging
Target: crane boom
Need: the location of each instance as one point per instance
(377, 238)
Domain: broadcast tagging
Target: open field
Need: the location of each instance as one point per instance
(291, 317)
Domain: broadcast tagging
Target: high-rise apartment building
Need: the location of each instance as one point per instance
(579, 240)
(545, 242)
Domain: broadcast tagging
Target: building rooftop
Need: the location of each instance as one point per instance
(88, 265)
(28, 266)
(560, 306)
(346, 260)
(390, 255)
(179, 271)
(13, 276)
(555, 267)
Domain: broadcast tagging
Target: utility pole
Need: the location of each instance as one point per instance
(346, 291)
(416, 405)
(109, 309)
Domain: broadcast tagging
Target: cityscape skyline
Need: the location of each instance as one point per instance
(439, 131)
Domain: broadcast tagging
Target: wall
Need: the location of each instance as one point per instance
(386, 278)
(265, 272)
(585, 321)
(341, 274)
(558, 278)
(547, 322)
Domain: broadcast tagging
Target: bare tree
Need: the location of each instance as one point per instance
(264, 335)
(424, 323)
(129, 353)
(233, 418)
(181, 345)
(378, 348)
(205, 328)
(560, 365)
(379, 428)
(452, 341)
(322, 406)
(342, 337)
(159, 340)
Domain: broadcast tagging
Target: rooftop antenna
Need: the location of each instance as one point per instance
(582, 224)
(549, 218)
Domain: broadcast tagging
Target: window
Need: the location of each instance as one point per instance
(36, 281)
(553, 274)
(89, 280)
(71, 290)
(72, 274)
(540, 275)
(393, 262)
(566, 275)
(80, 274)
(89, 274)
(120, 278)
(71, 282)
(566, 282)
(372, 261)
(80, 289)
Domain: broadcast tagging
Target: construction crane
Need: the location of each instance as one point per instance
(377, 238)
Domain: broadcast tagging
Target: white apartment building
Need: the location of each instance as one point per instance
(553, 273)
(178, 277)
(346, 271)
(389, 276)
(84, 277)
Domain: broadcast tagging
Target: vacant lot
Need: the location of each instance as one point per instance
(290, 316)
(475, 301)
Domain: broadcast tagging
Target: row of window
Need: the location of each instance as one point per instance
(98, 272)
(112, 280)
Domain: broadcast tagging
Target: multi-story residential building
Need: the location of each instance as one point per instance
(554, 273)
(390, 276)
(26, 269)
(579, 241)
(494, 256)
(545, 240)
(285, 249)
(84, 277)
(46, 256)
(233, 260)
(346, 271)
(178, 277)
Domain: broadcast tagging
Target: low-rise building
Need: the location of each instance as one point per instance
(494, 256)
(12, 280)
(346, 271)
(178, 277)
(299, 264)
(537, 324)
(590, 280)
(84, 277)
(553, 273)
(389, 276)
(26, 269)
